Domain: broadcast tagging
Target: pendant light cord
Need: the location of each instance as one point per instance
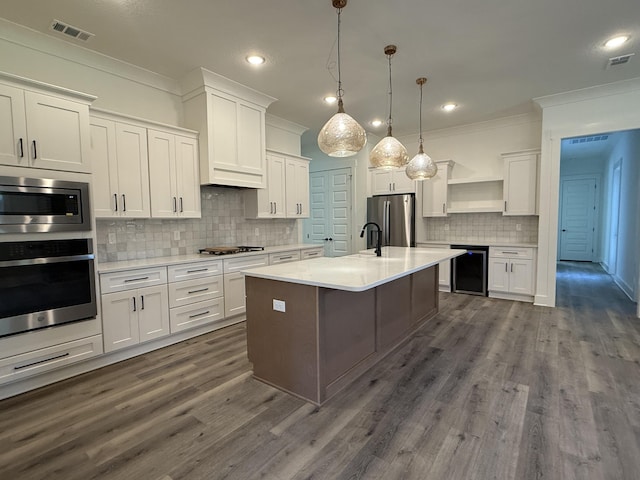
(389, 121)
(340, 92)
(420, 116)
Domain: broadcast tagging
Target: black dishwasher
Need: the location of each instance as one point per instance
(469, 271)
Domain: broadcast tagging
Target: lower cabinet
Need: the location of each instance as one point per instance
(512, 273)
(312, 253)
(234, 290)
(444, 268)
(134, 316)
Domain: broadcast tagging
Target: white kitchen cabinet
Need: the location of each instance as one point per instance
(134, 316)
(196, 294)
(512, 273)
(435, 191)
(297, 187)
(287, 192)
(173, 174)
(234, 291)
(269, 202)
(284, 257)
(43, 130)
(390, 181)
(308, 253)
(520, 183)
(231, 120)
(120, 169)
(444, 268)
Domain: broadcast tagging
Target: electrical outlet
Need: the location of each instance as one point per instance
(518, 227)
(112, 238)
(279, 305)
(257, 231)
(446, 226)
(176, 235)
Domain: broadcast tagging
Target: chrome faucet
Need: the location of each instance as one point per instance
(379, 245)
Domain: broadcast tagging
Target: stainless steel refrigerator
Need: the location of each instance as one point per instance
(395, 214)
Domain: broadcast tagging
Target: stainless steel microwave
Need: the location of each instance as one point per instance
(43, 205)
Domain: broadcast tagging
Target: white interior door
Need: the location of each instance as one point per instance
(577, 218)
(615, 219)
(329, 222)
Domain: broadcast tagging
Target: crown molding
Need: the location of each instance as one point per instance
(589, 93)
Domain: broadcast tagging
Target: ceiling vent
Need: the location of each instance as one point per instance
(71, 31)
(621, 60)
(593, 138)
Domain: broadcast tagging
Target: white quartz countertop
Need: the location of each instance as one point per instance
(487, 243)
(194, 257)
(358, 272)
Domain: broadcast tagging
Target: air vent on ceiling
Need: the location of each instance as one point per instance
(621, 60)
(593, 138)
(71, 31)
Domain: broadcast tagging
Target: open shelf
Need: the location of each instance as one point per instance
(465, 181)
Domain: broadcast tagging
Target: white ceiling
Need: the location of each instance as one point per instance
(491, 57)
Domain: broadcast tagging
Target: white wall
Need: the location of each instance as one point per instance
(606, 108)
(475, 148)
(119, 86)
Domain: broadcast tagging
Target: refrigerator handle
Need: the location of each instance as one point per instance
(386, 234)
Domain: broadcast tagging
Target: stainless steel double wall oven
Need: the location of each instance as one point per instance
(44, 280)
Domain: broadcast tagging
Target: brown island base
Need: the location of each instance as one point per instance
(326, 337)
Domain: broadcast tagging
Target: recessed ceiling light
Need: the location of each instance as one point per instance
(616, 41)
(255, 59)
(330, 99)
(448, 107)
(376, 123)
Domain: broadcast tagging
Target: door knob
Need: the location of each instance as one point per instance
(564, 229)
(326, 239)
(330, 239)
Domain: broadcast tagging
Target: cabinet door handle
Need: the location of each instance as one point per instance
(20, 367)
(181, 206)
(197, 270)
(35, 151)
(506, 267)
(21, 148)
(134, 303)
(198, 314)
(512, 268)
(198, 291)
(141, 302)
(124, 203)
(275, 207)
(505, 205)
(115, 201)
(175, 206)
(443, 205)
(394, 186)
(510, 253)
(137, 279)
(285, 258)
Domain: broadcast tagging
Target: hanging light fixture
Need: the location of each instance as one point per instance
(341, 136)
(389, 152)
(421, 166)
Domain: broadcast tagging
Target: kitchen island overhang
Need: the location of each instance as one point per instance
(315, 326)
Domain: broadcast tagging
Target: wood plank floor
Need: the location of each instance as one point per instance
(488, 389)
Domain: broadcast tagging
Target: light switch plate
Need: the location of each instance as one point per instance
(279, 305)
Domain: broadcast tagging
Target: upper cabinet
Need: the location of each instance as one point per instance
(395, 180)
(287, 191)
(231, 120)
(435, 191)
(120, 169)
(42, 126)
(173, 174)
(521, 182)
(143, 169)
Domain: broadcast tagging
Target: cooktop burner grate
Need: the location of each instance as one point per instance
(229, 250)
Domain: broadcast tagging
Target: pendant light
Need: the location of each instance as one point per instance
(421, 166)
(341, 136)
(389, 152)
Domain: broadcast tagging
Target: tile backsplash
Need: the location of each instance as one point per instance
(222, 224)
(478, 227)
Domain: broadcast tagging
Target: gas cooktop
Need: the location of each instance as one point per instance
(229, 250)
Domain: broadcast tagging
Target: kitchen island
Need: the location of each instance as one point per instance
(315, 326)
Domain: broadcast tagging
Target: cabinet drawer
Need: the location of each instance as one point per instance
(196, 314)
(511, 252)
(312, 253)
(237, 264)
(196, 290)
(433, 245)
(130, 279)
(188, 271)
(45, 359)
(284, 257)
